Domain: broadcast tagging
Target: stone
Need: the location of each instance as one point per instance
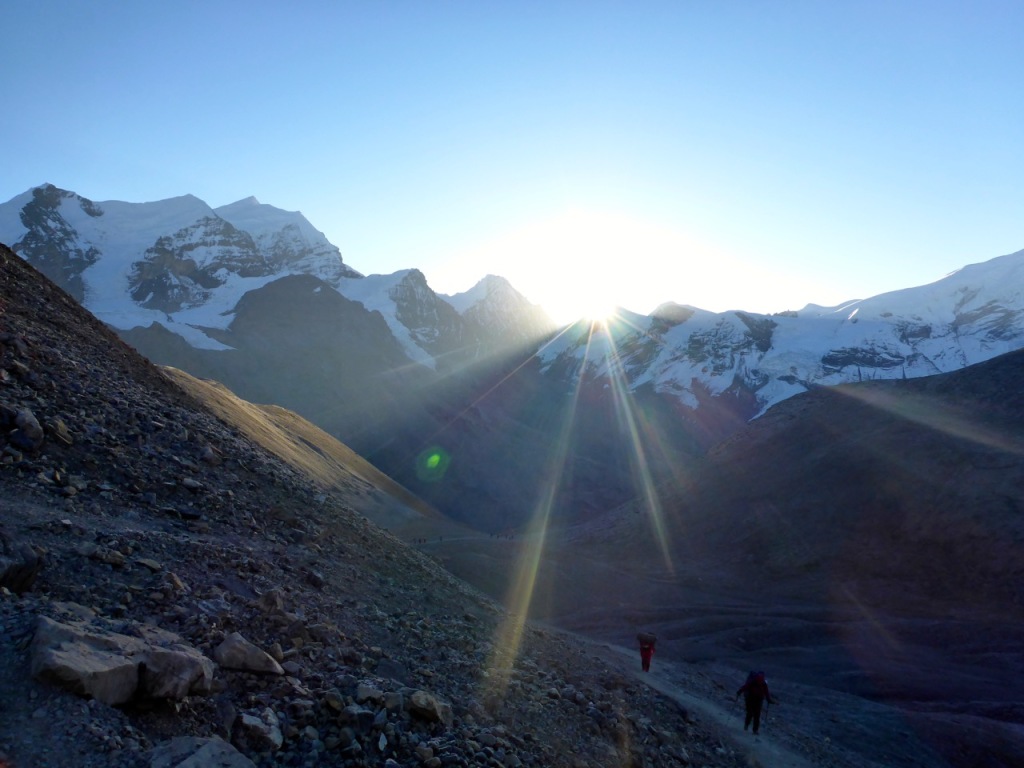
(174, 673)
(59, 431)
(195, 752)
(258, 732)
(106, 555)
(358, 717)
(394, 701)
(28, 434)
(20, 564)
(116, 668)
(334, 700)
(272, 601)
(430, 708)
(105, 674)
(238, 653)
(424, 752)
(366, 692)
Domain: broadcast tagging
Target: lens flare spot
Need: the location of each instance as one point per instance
(432, 464)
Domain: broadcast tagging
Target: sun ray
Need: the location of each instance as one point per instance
(639, 466)
(508, 637)
(936, 415)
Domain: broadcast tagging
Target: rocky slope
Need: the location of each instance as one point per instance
(204, 593)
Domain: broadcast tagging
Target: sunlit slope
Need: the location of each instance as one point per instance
(307, 448)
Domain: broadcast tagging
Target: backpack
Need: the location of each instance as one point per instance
(756, 684)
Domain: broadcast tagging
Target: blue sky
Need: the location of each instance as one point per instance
(731, 155)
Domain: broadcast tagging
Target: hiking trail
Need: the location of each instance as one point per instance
(774, 748)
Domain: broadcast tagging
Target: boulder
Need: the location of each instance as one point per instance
(238, 653)
(115, 668)
(27, 434)
(174, 673)
(256, 733)
(20, 564)
(195, 752)
(430, 708)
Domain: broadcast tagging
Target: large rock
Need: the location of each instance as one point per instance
(174, 673)
(28, 432)
(260, 732)
(20, 564)
(195, 752)
(238, 653)
(116, 668)
(430, 708)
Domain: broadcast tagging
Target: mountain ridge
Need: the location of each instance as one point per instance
(469, 372)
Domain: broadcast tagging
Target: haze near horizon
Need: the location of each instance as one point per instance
(727, 156)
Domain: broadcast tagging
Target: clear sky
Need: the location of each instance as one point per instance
(723, 153)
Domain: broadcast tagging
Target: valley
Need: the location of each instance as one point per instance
(854, 686)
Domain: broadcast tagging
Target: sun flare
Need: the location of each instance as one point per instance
(578, 264)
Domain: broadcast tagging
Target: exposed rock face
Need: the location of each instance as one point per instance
(432, 323)
(169, 277)
(504, 318)
(52, 244)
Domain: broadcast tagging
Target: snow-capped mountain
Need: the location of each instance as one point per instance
(967, 317)
(184, 265)
(498, 314)
(257, 298)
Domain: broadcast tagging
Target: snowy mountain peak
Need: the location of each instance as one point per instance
(176, 261)
(490, 288)
(288, 239)
(246, 201)
(972, 315)
(186, 266)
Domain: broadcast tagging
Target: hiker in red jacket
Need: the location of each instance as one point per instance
(755, 691)
(647, 642)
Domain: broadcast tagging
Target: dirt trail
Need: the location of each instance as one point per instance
(774, 748)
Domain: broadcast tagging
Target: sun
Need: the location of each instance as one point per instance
(582, 297)
(597, 311)
(583, 263)
(577, 264)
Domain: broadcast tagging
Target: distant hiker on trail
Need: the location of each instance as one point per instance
(647, 641)
(755, 691)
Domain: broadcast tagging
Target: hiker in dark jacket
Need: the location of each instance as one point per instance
(755, 692)
(647, 642)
